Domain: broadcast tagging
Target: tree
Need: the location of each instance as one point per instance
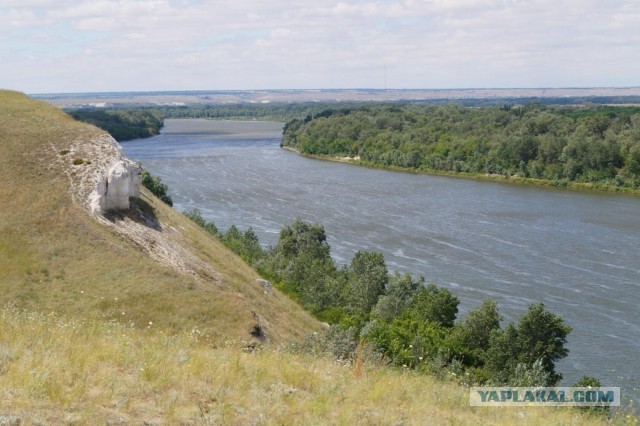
(435, 305)
(591, 382)
(251, 246)
(398, 296)
(540, 336)
(155, 185)
(196, 216)
(588, 381)
(303, 238)
(245, 245)
(302, 260)
(405, 341)
(477, 327)
(367, 282)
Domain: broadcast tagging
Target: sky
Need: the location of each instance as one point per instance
(61, 46)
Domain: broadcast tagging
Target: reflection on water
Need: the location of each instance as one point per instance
(576, 252)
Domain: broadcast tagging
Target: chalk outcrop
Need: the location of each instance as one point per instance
(115, 186)
(102, 178)
(103, 181)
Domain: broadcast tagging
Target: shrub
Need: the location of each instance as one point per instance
(155, 185)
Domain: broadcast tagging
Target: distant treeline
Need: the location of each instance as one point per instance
(596, 144)
(267, 112)
(399, 318)
(291, 111)
(126, 122)
(123, 124)
(142, 122)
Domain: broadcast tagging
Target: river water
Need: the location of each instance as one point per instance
(577, 252)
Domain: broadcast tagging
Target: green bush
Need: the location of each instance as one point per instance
(155, 185)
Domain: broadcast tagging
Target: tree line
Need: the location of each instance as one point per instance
(123, 124)
(599, 145)
(398, 316)
(127, 123)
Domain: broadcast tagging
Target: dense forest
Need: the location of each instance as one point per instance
(397, 317)
(595, 145)
(268, 112)
(123, 124)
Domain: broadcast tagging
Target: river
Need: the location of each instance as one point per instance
(578, 252)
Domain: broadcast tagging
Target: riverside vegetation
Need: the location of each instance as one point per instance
(399, 318)
(587, 147)
(94, 331)
(123, 124)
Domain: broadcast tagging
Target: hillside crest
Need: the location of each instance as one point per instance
(73, 246)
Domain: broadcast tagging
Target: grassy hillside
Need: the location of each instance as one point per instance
(95, 372)
(54, 257)
(95, 331)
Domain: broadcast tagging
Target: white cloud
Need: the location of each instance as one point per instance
(68, 45)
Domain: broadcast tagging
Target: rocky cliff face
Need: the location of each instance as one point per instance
(102, 178)
(115, 186)
(104, 182)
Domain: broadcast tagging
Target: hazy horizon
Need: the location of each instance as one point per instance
(329, 89)
(73, 46)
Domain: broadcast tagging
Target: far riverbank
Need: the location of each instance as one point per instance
(578, 186)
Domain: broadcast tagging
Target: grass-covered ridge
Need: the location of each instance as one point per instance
(54, 257)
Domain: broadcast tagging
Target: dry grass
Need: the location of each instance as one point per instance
(55, 257)
(93, 371)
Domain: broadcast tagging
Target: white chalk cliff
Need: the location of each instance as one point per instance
(115, 186)
(102, 178)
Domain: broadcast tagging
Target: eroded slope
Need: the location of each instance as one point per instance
(148, 264)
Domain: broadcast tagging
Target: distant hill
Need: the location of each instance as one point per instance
(470, 96)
